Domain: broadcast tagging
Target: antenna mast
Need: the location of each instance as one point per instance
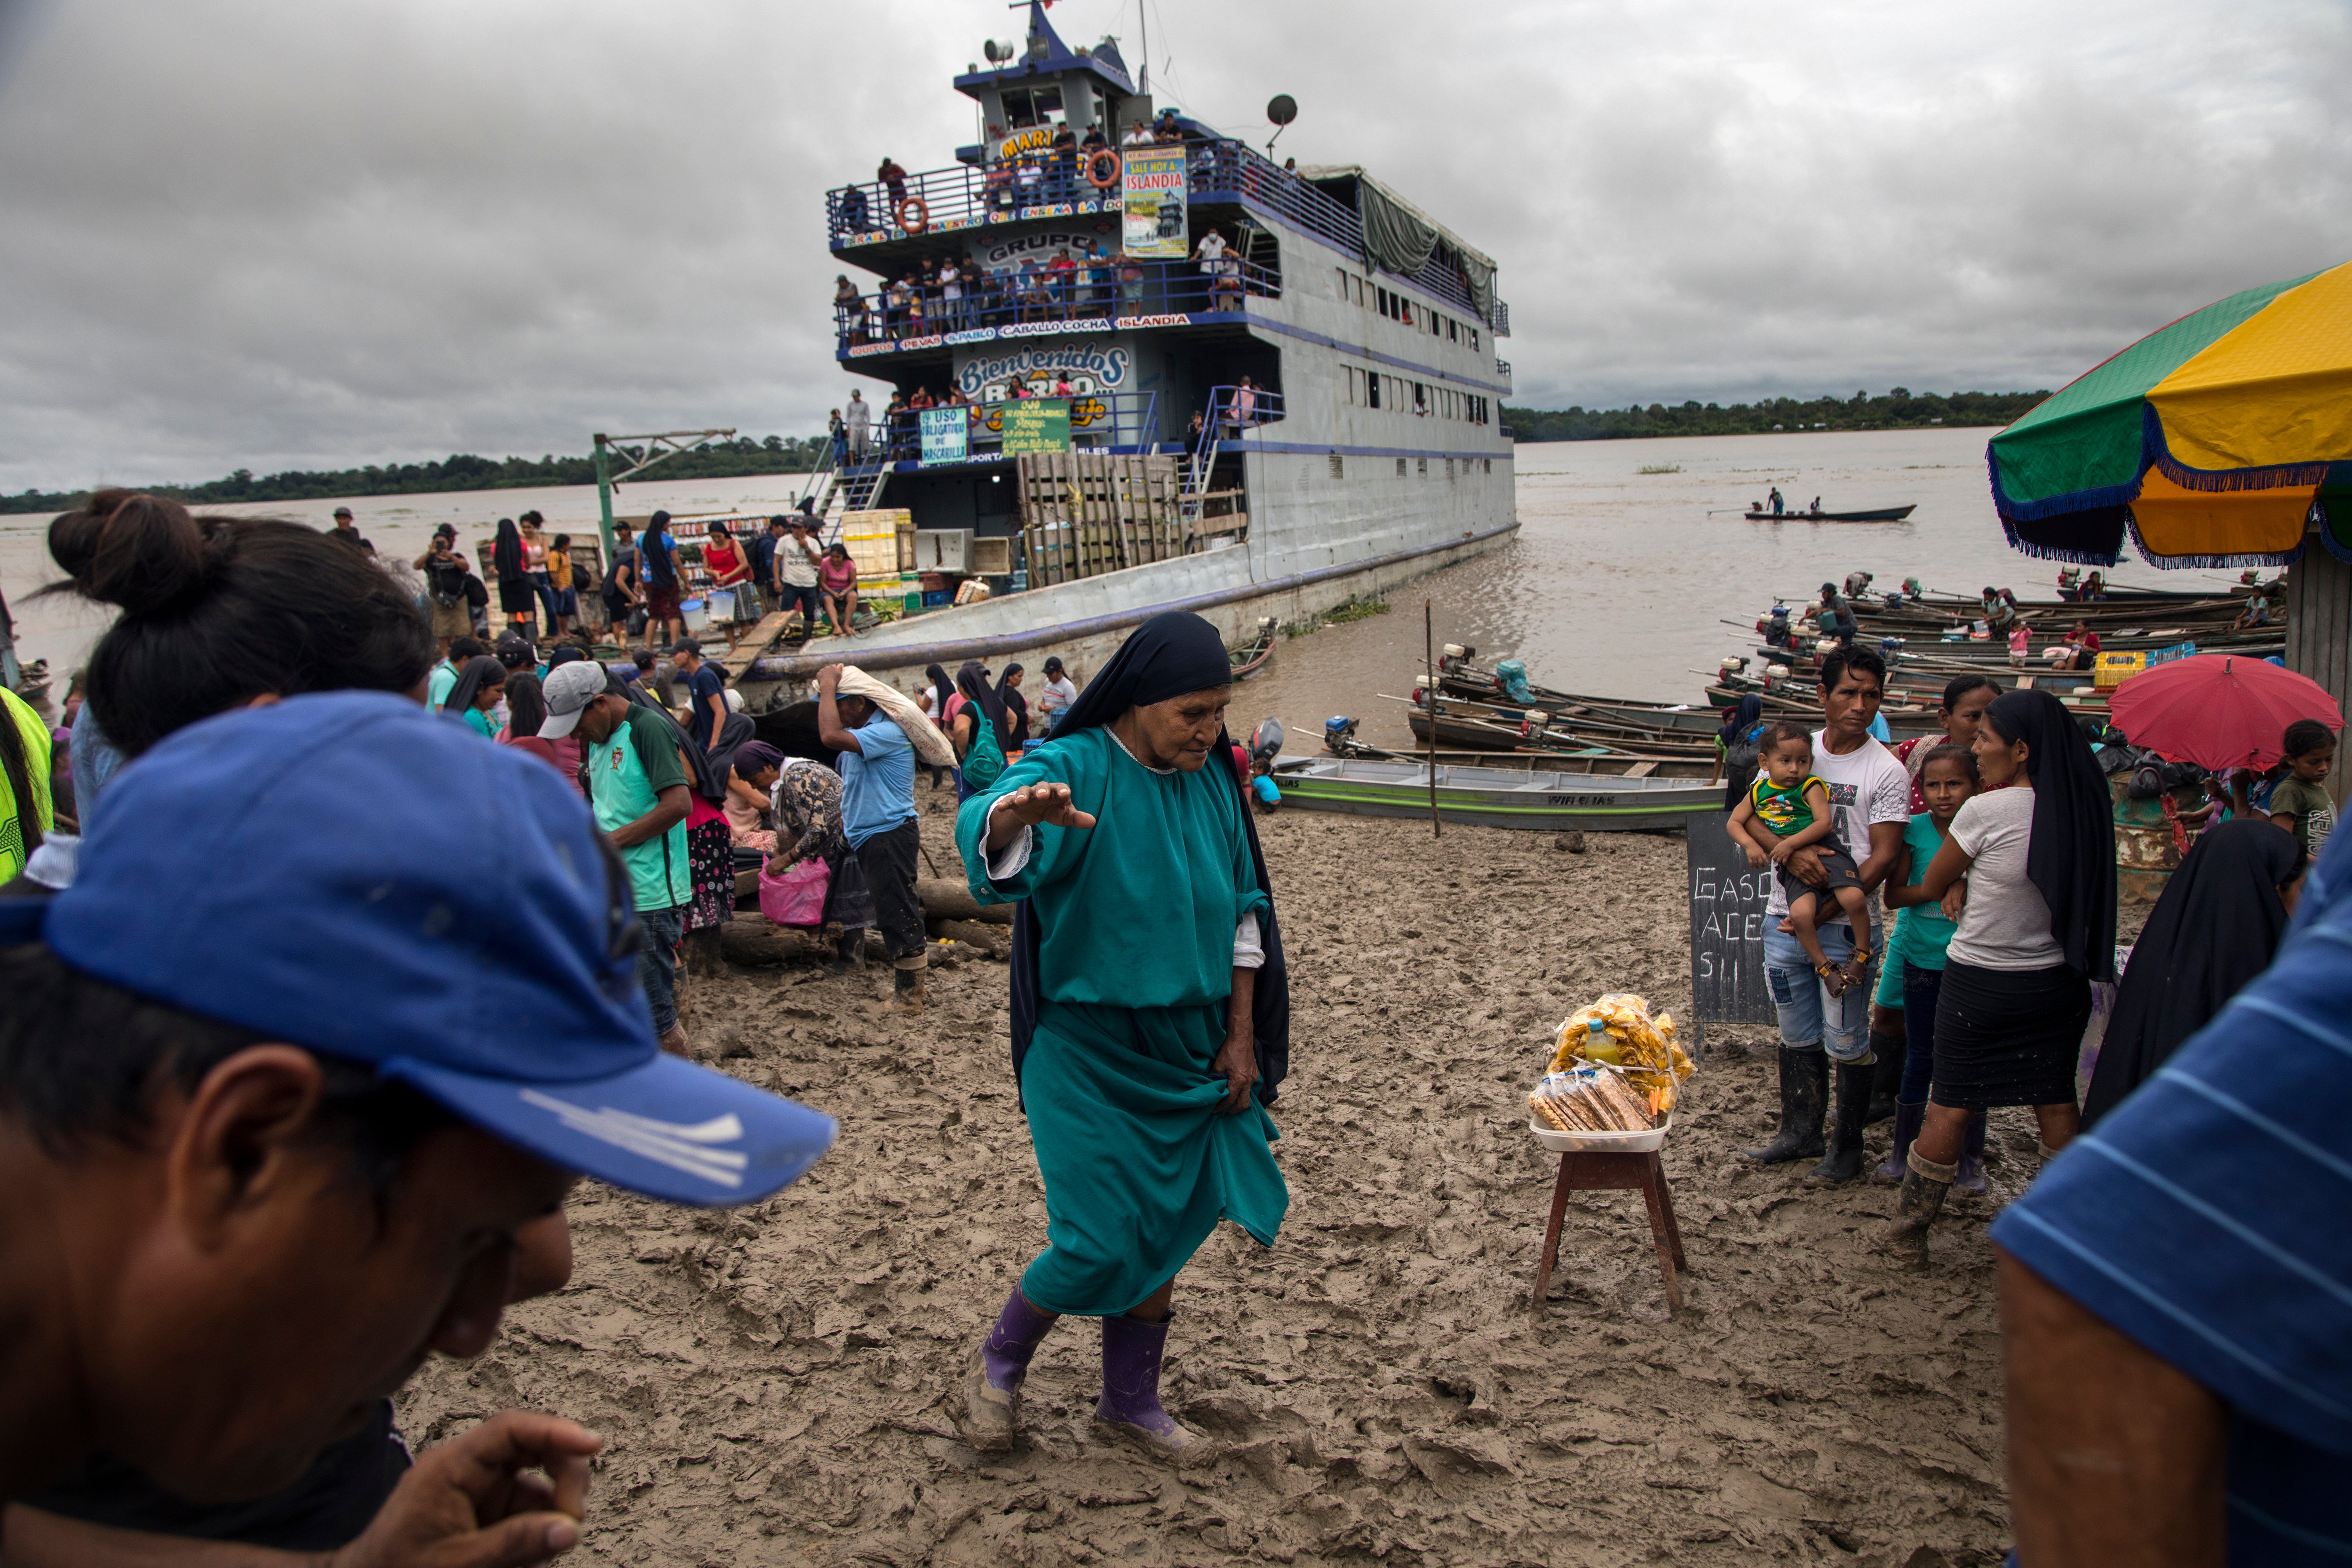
(1143, 82)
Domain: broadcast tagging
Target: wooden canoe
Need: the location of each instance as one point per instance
(1520, 798)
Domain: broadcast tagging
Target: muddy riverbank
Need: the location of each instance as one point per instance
(769, 1381)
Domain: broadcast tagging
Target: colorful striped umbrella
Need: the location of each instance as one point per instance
(2210, 443)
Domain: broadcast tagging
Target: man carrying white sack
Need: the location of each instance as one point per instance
(877, 733)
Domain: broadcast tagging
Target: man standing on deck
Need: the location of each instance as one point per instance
(348, 532)
(878, 814)
(1869, 800)
(857, 416)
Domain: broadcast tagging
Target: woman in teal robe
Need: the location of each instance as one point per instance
(1146, 936)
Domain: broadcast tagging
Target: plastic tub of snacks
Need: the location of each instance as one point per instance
(1560, 1143)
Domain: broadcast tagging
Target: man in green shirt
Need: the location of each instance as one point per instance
(638, 785)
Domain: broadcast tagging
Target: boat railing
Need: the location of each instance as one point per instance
(1234, 413)
(1097, 419)
(1098, 290)
(1503, 369)
(1048, 185)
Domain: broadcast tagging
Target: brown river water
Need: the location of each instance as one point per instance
(1617, 584)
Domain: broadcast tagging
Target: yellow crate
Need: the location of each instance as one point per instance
(881, 541)
(2114, 668)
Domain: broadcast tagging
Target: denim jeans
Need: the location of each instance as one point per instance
(658, 963)
(1810, 1015)
(543, 588)
(792, 594)
(1921, 987)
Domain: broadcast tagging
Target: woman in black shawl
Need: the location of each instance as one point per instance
(2217, 926)
(1150, 1015)
(465, 699)
(1016, 709)
(2037, 926)
(516, 600)
(979, 706)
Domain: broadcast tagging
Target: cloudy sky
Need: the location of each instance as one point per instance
(265, 233)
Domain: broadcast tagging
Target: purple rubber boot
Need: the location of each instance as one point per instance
(1907, 1118)
(1972, 1170)
(991, 1388)
(1130, 1398)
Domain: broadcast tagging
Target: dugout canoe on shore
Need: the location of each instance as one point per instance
(1536, 799)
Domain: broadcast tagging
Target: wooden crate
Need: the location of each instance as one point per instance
(1086, 513)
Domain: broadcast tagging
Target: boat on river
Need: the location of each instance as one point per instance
(1492, 798)
(1881, 514)
(1120, 424)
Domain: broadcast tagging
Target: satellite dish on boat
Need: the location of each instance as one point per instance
(1280, 110)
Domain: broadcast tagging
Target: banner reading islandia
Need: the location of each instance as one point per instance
(1153, 226)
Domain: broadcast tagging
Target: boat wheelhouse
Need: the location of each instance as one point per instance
(1161, 369)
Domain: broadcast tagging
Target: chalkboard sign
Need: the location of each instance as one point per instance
(1726, 928)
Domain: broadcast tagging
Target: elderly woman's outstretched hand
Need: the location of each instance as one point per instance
(1030, 806)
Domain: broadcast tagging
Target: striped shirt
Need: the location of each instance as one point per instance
(2209, 1219)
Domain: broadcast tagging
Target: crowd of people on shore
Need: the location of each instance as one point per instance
(2211, 1186)
(442, 959)
(341, 908)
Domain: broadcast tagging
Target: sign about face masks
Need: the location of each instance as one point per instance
(1153, 224)
(1036, 425)
(944, 431)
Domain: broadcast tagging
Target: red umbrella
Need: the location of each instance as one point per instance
(2219, 710)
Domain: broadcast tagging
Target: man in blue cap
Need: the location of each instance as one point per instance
(278, 1107)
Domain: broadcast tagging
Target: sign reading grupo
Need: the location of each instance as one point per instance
(1092, 364)
(1152, 204)
(1036, 425)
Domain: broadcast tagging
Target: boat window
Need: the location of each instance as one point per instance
(1025, 106)
(1453, 331)
(1400, 468)
(1343, 282)
(1423, 464)
(1473, 337)
(1339, 467)
(1360, 290)
(1375, 380)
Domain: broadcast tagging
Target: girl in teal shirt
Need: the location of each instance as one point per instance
(1915, 952)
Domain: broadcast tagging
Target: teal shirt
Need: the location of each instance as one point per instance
(1925, 933)
(442, 681)
(479, 722)
(1138, 911)
(626, 774)
(1135, 921)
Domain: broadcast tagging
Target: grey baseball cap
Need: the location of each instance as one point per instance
(567, 690)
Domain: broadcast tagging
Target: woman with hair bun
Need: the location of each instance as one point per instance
(218, 612)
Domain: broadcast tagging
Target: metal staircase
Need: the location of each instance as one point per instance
(839, 489)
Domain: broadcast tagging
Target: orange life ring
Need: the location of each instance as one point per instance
(914, 215)
(1102, 181)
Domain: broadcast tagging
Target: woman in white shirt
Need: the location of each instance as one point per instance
(2036, 927)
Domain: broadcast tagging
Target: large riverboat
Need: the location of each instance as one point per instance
(1302, 409)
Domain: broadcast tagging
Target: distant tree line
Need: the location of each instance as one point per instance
(1900, 409)
(463, 471)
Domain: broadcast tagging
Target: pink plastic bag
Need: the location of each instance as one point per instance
(796, 898)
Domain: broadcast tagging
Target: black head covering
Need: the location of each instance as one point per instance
(526, 704)
(2217, 926)
(972, 681)
(565, 653)
(1169, 656)
(506, 551)
(1166, 657)
(2072, 858)
(715, 763)
(1016, 707)
(753, 755)
(515, 652)
(941, 689)
(479, 671)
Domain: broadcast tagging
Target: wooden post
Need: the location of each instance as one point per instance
(2319, 630)
(1429, 662)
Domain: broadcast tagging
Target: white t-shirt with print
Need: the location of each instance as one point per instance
(1866, 786)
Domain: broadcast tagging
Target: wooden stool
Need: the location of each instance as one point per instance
(1590, 1171)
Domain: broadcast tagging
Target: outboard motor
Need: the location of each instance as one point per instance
(1731, 664)
(1451, 654)
(1266, 740)
(1776, 631)
(1339, 734)
(1532, 722)
(1890, 648)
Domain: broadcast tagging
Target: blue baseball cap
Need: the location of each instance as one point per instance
(345, 872)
